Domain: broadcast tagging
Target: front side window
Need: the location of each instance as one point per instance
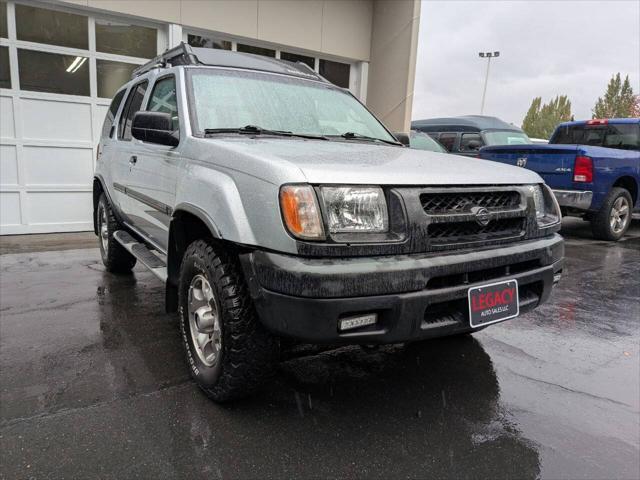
(134, 102)
(111, 114)
(234, 99)
(163, 99)
(448, 140)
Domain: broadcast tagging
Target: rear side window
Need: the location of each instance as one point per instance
(164, 99)
(467, 138)
(134, 102)
(448, 140)
(111, 114)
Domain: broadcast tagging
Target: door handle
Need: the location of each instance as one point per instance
(133, 159)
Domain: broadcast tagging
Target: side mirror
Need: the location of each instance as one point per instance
(474, 145)
(403, 138)
(154, 127)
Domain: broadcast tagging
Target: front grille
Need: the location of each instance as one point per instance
(482, 275)
(439, 203)
(471, 231)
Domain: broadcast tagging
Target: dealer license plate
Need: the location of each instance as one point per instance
(493, 303)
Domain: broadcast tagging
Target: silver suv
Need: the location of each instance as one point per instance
(275, 206)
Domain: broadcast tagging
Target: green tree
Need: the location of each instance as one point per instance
(618, 100)
(541, 120)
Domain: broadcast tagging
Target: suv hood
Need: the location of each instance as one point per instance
(352, 162)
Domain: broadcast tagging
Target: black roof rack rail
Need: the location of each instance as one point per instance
(184, 54)
(180, 55)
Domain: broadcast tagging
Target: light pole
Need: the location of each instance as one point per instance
(488, 56)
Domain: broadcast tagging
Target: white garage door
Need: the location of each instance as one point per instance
(58, 70)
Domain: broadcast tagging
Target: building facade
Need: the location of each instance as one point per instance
(61, 62)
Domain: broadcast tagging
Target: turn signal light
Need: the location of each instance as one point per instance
(300, 212)
(583, 170)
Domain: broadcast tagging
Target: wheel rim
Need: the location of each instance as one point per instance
(103, 229)
(619, 215)
(204, 321)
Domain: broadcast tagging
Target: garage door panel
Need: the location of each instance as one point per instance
(55, 120)
(8, 165)
(7, 125)
(59, 207)
(9, 208)
(57, 165)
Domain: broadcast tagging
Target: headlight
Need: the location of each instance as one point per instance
(547, 208)
(300, 212)
(355, 209)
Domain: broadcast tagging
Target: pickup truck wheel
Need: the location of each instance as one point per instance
(114, 256)
(613, 218)
(229, 352)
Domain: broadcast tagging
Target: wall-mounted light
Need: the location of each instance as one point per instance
(76, 64)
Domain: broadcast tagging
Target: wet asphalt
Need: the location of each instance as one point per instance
(93, 384)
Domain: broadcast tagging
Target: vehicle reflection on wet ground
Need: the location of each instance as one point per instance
(93, 384)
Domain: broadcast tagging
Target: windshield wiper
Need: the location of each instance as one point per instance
(357, 136)
(254, 130)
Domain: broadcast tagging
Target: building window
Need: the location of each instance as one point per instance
(267, 52)
(50, 26)
(126, 39)
(205, 42)
(112, 75)
(294, 57)
(5, 73)
(4, 30)
(336, 72)
(53, 72)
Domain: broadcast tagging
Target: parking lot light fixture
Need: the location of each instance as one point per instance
(488, 56)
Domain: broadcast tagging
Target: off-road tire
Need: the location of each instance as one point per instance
(248, 352)
(600, 222)
(115, 257)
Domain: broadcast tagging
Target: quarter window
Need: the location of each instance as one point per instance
(111, 114)
(164, 99)
(134, 102)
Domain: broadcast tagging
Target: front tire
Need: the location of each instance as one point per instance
(115, 257)
(614, 217)
(229, 352)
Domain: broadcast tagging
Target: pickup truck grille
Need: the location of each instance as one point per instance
(464, 232)
(457, 202)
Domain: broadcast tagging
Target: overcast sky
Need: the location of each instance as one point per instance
(546, 48)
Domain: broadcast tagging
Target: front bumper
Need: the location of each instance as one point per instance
(578, 199)
(414, 296)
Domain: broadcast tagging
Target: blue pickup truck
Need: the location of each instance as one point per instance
(593, 167)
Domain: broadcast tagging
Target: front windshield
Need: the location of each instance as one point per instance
(234, 99)
(506, 137)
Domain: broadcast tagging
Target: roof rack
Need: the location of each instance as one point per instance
(180, 55)
(185, 54)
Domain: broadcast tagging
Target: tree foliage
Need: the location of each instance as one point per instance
(618, 101)
(541, 120)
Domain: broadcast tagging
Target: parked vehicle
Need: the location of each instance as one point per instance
(422, 141)
(466, 135)
(593, 167)
(274, 205)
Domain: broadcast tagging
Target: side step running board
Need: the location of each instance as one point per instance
(143, 254)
